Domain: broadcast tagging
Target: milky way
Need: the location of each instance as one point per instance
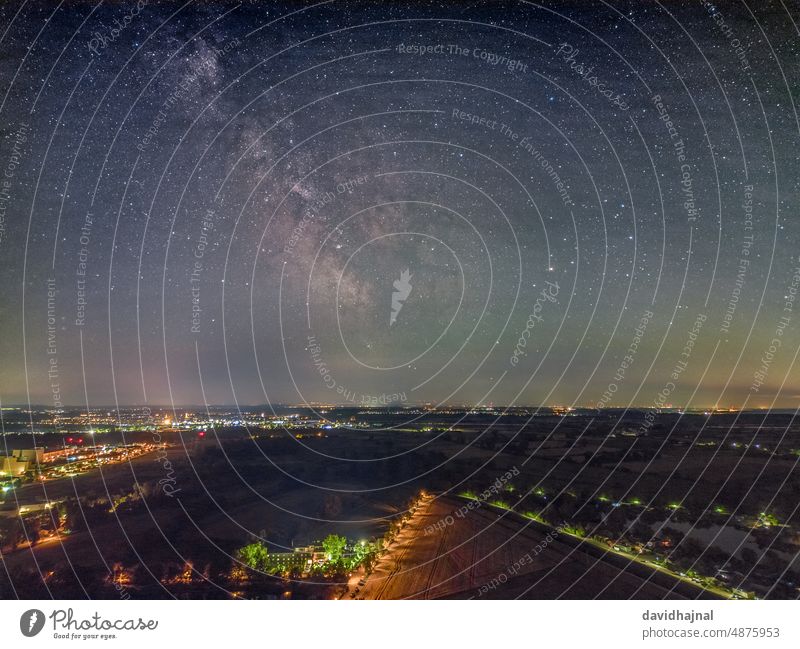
(347, 202)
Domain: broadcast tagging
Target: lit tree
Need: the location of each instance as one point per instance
(334, 546)
(363, 554)
(254, 555)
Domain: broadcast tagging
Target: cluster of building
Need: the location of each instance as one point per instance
(20, 462)
(66, 461)
(301, 558)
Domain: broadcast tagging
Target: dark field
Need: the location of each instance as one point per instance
(713, 495)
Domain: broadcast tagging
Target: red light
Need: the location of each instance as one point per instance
(69, 439)
(202, 433)
(80, 440)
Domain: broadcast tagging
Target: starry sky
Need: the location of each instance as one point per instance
(214, 202)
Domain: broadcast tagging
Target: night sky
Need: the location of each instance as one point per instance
(218, 203)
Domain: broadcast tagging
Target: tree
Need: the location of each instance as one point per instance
(334, 546)
(768, 519)
(12, 534)
(254, 556)
(364, 555)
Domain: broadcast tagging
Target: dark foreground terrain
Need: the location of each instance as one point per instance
(698, 505)
(492, 554)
